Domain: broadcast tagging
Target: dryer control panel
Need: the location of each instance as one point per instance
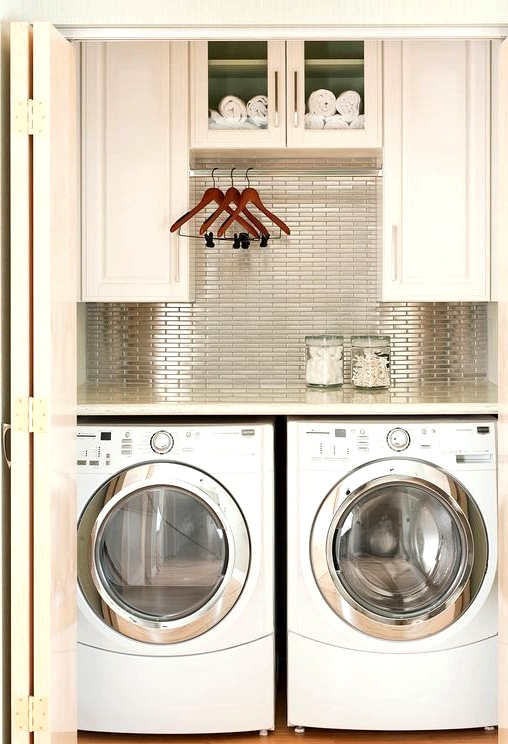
(108, 448)
(344, 444)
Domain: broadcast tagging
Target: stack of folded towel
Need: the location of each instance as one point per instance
(326, 111)
(234, 113)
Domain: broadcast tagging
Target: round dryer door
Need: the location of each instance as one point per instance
(163, 552)
(399, 549)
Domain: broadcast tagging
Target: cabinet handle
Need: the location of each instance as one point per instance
(176, 260)
(395, 251)
(5, 429)
(276, 98)
(295, 97)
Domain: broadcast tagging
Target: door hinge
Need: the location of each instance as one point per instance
(30, 714)
(30, 415)
(30, 117)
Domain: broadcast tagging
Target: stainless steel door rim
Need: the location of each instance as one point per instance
(393, 547)
(163, 552)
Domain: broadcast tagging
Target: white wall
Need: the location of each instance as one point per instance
(261, 12)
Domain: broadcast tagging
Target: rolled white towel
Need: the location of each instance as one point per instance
(348, 104)
(336, 122)
(314, 121)
(358, 122)
(322, 102)
(216, 121)
(232, 107)
(257, 110)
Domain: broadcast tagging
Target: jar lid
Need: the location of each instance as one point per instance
(370, 340)
(324, 340)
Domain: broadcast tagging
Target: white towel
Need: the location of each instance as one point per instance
(322, 102)
(336, 122)
(314, 121)
(257, 111)
(358, 122)
(232, 107)
(216, 121)
(348, 104)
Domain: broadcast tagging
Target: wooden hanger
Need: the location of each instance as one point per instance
(214, 194)
(251, 195)
(233, 196)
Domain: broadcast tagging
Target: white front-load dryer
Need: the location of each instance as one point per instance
(176, 577)
(392, 551)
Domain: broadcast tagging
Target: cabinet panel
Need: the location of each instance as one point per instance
(135, 171)
(436, 170)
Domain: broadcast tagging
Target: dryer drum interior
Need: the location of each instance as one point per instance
(402, 556)
(158, 559)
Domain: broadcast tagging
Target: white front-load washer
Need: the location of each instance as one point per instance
(392, 550)
(176, 577)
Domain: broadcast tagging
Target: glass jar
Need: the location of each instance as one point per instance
(370, 362)
(324, 365)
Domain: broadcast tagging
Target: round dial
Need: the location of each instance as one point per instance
(398, 439)
(161, 442)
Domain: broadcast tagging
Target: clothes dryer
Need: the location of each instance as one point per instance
(175, 577)
(392, 550)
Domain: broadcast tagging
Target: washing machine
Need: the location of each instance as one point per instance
(392, 549)
(175, 577)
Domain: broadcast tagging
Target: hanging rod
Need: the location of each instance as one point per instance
(287, 172)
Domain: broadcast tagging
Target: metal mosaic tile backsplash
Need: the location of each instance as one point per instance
(255, 306)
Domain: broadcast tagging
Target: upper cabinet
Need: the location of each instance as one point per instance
(436, 241)
(135, 171)
(302, 94)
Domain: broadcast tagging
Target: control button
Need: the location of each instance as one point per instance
(161, 442)
(398, 439)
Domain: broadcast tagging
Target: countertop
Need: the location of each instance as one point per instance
(299, 400)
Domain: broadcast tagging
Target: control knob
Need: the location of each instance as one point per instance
(161, 442)
(398, 439)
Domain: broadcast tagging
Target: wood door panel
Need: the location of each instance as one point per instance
(43, 382)
(21, 378)
(55, 251)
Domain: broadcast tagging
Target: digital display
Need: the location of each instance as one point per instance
(105, 436)
(340, 432)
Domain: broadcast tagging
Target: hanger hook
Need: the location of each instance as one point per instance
(231, 175)
(213, 176)
(247, 176)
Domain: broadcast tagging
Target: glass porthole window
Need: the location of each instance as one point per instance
(162, 554)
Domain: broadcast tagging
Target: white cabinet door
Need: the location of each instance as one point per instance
(227, 78)
(436, 107)
(135, 171)
(297, 78)
(44, 249)
(345, 76)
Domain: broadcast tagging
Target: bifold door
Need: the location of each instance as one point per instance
(43, 384)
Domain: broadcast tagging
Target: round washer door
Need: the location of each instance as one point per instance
(399, 549)
(163, 552)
